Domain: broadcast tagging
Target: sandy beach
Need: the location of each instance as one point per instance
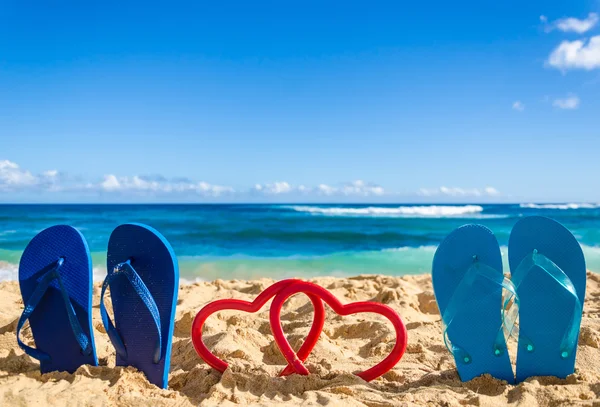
(424, 377)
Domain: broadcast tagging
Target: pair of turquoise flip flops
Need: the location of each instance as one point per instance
(479, 306)
(55, 276)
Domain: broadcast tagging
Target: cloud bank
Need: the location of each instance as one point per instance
(459, 192)
(15, 179)
(112, 183)
(354, 188)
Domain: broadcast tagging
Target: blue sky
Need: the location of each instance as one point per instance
(300, 101)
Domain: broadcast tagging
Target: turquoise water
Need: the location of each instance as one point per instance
(249, 241)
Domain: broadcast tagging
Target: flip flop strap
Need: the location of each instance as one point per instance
(463, 297)
(533, 260)
(34, 300)
(142, 291)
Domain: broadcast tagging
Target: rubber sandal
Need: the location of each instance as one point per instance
(549, 273)
(469, 285)
(143, 277)
(55, 276)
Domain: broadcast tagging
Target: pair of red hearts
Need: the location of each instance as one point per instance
(282, 290)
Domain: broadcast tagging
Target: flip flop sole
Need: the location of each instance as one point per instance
(49, 322)
(155, 262)
(475, 327)
(546, 308)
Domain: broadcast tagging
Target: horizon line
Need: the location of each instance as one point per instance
(299, 203)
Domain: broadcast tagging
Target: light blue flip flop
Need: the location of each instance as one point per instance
(143, 276)
(55, 276)
(548, 271)
(469, 285)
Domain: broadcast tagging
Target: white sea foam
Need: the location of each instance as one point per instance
(99, 273)
(592, 257)
(8, 271)
(564, 206)
(409, 248)
(189, 281)
(393, 261)
(433, 211)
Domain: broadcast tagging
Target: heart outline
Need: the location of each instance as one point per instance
(252, 307)
(364, 306)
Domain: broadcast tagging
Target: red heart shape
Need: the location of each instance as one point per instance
(312, 289)
(254, 306)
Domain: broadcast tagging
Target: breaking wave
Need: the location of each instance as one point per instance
(433, 211)
(564, 206)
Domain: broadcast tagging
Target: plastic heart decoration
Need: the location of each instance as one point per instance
(313, 290)
(252, 307)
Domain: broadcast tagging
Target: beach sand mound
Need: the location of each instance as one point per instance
(424, 377)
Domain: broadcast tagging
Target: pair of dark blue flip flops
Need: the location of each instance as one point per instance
(55, 276)
(480, 306)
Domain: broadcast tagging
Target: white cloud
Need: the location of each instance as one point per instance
(275, 188)
(572, 24)
(112, 183)
(518, 105)
(576, 55)
(459, 192)
(359, 187)
(569, 103)
(326, 189)
(50, 174)
(354, 188)
(491, 191)
(13, 177)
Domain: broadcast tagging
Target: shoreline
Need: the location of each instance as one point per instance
(392, 262)
(425, 376)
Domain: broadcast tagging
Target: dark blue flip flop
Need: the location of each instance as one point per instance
(548, 270)
(55, 276)
(469, 284)
(143, 277)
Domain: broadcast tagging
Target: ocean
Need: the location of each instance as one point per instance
(279, 241)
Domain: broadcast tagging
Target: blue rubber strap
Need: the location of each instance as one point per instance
(535, 259)
(142, 291)
(463, 297)
(114, 336)
(34, 300)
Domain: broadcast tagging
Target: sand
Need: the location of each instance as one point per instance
(424, 377)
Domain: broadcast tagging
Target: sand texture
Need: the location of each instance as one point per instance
(424, 377)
